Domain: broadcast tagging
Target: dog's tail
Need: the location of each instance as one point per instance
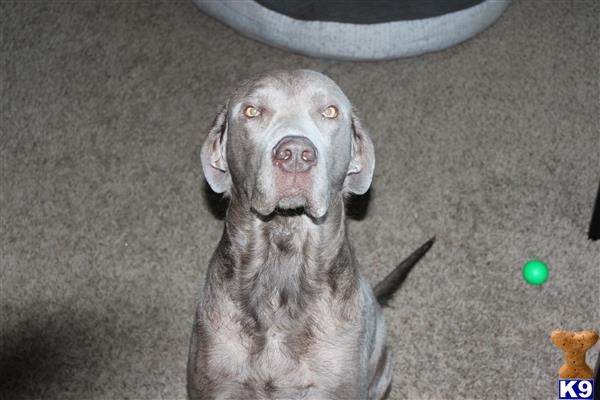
(384, 290)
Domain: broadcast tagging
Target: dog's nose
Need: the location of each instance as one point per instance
(294, 154)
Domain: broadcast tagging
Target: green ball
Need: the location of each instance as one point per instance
(535, 272)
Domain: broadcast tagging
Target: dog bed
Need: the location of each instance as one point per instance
(357, 30)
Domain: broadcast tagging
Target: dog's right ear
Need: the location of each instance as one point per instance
(214, 160)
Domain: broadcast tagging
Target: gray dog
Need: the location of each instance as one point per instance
(285, 312)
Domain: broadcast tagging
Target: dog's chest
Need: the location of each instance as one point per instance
(302, 360)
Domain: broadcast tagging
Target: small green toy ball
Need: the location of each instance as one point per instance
(535, 272)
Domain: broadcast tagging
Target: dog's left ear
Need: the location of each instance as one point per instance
(214, 161)
(362, 165)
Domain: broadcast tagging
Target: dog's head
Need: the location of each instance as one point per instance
(288, 140)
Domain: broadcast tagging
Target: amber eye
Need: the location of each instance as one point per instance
(251, 112)
(330, 112)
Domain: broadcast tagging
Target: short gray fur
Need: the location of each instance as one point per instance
(284, 312)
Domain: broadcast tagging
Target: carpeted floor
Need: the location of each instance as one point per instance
(107, 225)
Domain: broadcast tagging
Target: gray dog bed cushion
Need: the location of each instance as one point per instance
(357, 30)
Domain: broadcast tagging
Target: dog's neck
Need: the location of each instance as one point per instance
(276, 267)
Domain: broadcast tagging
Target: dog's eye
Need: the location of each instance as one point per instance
(251, 112)
(330, 112)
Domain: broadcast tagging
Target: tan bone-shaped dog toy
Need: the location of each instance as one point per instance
(574, 345)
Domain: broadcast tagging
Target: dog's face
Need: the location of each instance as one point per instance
(288, 140)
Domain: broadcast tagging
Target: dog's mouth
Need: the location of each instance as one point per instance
(290, 202)
(289, 212)
(293, 197)
(295, 204)
(276, 191)
(290, 191)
